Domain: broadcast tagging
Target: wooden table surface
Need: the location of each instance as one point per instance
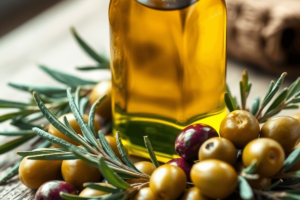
(46, 39)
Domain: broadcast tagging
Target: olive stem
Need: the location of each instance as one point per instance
(271, 195)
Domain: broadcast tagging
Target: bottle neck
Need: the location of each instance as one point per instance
(167, 4)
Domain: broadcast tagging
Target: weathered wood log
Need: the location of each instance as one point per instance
(265, 33)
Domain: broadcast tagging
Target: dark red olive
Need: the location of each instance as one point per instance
(190, 139)
(50, 190)
(186, 166)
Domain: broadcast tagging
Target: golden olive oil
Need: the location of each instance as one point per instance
(168, 71)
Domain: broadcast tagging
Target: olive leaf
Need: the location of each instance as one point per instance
(39, 152)
(47, 90)
(53, 156)
(293, 89)
(278, 101)
(58, 125)
(270, 187)
(89, 50)
(13, 104)
(66, 78)
(124, 155)
(77, 96)
(107, 147)
(88, 135)
(88, 68)
(245, 189)
(15, 143)
(289, 196)
(251, 169)
(111, 176)
(103, 197)
(82, 104)
(229, 102)
(291, 160)
(150, 151)
(15, 169)
(272, 91)
(16, 133)
(92, 113)
(22, 113)
(255, 106)
(103, 188)
(56, 140)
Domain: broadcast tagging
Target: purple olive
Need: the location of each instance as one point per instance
(186, 166)
(50, 190)
(190, 139)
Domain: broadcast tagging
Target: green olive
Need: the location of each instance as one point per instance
(193, 193)
(73, 123)
(88, 192)
(168, 182)
(260, 183)
(214, 178)
(240, 127)
(285, 130)
(77, 172)
(145, 167)
(104, 109)
(34, 173)
(218, 148)
(144, 194)
(113, 144)
(267, 153)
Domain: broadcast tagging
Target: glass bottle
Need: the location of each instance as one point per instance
(168, 70)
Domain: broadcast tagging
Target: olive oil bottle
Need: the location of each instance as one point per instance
(168, 71)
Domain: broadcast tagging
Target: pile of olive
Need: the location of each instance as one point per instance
(209, 161)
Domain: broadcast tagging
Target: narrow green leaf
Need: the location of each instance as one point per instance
(89, 68)
(106, 147)
(269, 96)
(245, 189)
(97, 186)
(57, 124)
(278, 100)
(291, 107)
(293, 89)
(251, 169)
(111, 176)
(15, 143)
(291, 160)
(39, 152)
(72, 136)
(95, 163)
(56, 140)
(11, 172)
(124, 155)
(77, 96)
(249, 89)
(68, 196)
(15, 169)
(255, 106)
(83, 126)
(12, 104)
(53, 156)
(66, 78)
(229, 103)
(150, 151)
(242, 91)
(270, 187)
(87, 48)
(92, 113)
(272, 83)
(47, 90)
(82, 104)
(8, 116)
(296, 100)
(16, 133)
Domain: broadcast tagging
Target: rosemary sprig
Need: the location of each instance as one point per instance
(286, 99)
